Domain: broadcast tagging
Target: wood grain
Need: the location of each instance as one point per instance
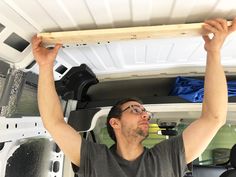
(83, 37)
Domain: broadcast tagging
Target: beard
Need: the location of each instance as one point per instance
(137, 133)
(142, 133)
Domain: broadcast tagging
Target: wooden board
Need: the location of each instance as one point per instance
(84, 37)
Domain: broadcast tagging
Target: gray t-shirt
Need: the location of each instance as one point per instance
(166, 159)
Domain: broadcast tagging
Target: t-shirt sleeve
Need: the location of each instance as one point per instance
(88, 153)
(172, 153)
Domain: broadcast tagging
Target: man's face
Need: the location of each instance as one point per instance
(134, 120)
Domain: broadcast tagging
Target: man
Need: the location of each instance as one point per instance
(128, 121)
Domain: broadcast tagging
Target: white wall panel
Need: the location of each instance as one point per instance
(123, 19)
(228, 49)
(232, 13)
(140, 53)
(180, 11)
(160, 12)
(32, 16)
(93, 56)
(222, 8)
(201, 10)
(182, 50)
(104, 56)
(80, 13)
(139, 15)
(28, 10)
(117, 54)
(198, 55)
(78, 56)
(67, 57)
(128, 49)
(158, 51)
(59, 13)
(101, 13)
(153, 53)
(15, 18)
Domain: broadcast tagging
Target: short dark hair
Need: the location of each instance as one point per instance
(116, 112)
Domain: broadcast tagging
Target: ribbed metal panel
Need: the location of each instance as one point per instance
(88, 14)
(32, 16)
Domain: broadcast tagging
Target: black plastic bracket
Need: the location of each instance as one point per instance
(81, 119)
(75, 84)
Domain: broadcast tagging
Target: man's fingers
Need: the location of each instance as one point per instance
(57, 47)
(215, 24)
(36, 41)
(206, 38)
(232, 28)
(209, 29)
(223, 23)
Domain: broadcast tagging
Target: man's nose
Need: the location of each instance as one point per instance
(145, 115)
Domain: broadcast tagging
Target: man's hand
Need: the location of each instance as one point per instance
(220, 30)
(43, 56)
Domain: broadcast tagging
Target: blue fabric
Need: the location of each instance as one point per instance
(193, 89)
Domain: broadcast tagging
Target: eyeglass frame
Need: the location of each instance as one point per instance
(150, 114)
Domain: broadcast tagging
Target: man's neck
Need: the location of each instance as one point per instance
(129, 151)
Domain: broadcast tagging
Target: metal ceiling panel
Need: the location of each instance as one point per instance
(26, 18)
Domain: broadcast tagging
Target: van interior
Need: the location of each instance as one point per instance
(94, 72)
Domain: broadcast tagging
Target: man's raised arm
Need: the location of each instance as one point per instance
(49, 104)
(198, 135)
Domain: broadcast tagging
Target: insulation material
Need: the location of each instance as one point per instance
(27, 104)
(2, 82)
(15, 91)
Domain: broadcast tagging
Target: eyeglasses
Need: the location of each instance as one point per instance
(136, 109)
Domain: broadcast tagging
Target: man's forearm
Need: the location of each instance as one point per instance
(215, 89)
(49, 103)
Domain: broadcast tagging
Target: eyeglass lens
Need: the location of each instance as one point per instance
(138, 110)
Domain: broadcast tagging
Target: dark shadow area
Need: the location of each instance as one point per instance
(31, 159)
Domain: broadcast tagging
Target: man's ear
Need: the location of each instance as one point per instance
(115, 123)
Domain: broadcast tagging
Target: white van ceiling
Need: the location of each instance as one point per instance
(20, 20)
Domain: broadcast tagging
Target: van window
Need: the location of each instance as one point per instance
(216, 153)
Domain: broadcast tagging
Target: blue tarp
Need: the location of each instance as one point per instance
(193, 89)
